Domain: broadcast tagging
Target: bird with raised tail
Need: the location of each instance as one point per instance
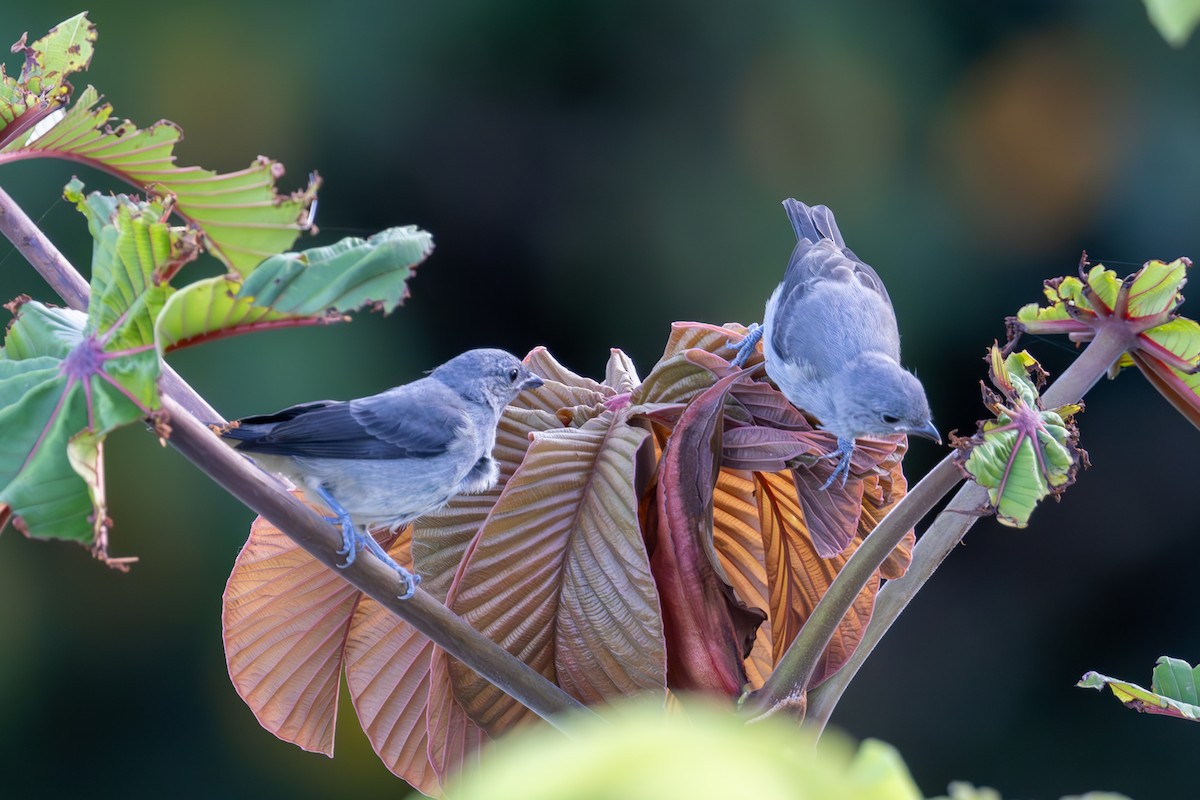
(385, 460)
(831, 343)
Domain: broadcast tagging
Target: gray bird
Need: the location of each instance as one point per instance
(831, 344)
(387, 459)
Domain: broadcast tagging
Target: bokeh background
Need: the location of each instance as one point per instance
(592, 172)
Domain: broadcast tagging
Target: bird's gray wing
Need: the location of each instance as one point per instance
(813, 261)
(413, 421)
(830, 304)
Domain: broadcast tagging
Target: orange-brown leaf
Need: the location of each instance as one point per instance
(798, 577)
(387, 673)
(559, 575)
(285, 617)
(709, 630)
(454, 740)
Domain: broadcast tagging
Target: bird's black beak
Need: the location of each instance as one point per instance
(927, 431)
(532, 382)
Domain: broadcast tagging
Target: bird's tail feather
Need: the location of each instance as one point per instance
(813, 222)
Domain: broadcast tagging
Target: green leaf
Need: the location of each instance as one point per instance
(344, 276)
(41, 88)
(1165, 346)
(69, 378)
(1172, 693)
(312, 287)
(240, 215)
(1025, 453)
(210, 309)
(1175, 19)
(638, 751)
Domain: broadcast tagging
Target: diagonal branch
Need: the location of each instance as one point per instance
(948, 529)
(266, 496)
(785, 688)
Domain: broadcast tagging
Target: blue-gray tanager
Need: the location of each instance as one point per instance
(384, 460)
(831, 344)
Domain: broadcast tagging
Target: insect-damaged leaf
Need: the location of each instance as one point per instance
(1025, 453)
(558, 574)
(240, 215)
(1172, 693)
(311, 287)
(63, 372)
(41, 88)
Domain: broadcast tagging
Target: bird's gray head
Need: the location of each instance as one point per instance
(876, 396)
(487, 376)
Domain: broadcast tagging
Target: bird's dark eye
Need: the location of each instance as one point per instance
(513, 374)
(889, 419)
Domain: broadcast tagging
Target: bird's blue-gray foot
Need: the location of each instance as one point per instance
(844, 451)
(746, 346)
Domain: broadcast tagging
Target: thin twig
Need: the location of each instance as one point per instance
(266, 496)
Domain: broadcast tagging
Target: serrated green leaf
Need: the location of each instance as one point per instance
(1174, 19)
(45, 405)
(343, 277)
(240, 215)
(1025, 453)
(1156, 287)
(72, 377)
(41, 87)
(48, 331)
(1173, 692)
(210, 309)
(1164, 346)
(131, 247)
(65, 49)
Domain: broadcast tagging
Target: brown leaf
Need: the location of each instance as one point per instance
(739, 546)
(559, 575)
(831, 514)
(756, 447)
(389, 664)
(562, 388)
(798, 577)
(767, 406)
(387, 673)
(713, 338)
(285, 617)
(880, 493)
(620, 374)
(454, 740)
(441, 538)
(709, 631)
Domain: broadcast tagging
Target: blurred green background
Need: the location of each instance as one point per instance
(592, 172)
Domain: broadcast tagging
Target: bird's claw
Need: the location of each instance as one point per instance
(351, 540)
(844, 451)
(354, 540)
(411, 579)
(745, 346)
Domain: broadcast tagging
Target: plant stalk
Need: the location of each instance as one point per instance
(267, 497)
(785, 686)
(949, 528)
